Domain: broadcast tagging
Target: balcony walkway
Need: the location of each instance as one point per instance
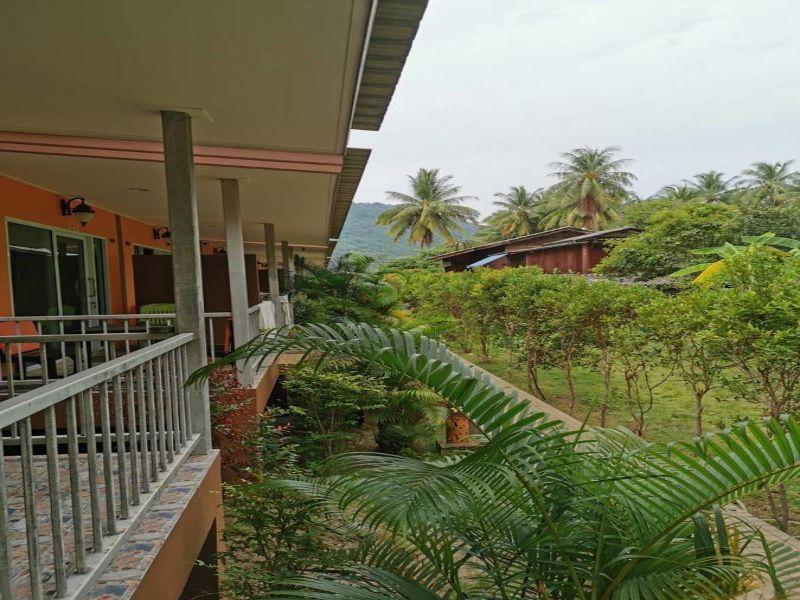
(140, 541)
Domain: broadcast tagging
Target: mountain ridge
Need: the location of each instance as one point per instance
(361, 234)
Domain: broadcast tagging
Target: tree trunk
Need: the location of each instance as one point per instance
(570, 386)
(606, 395)
(484, 349)
(532, 374)
(698, 413)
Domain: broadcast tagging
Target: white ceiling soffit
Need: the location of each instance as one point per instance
(298, 203)
(270, 73)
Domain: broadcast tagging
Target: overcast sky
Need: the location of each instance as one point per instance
(495, 89)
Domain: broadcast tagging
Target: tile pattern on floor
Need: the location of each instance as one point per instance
(129, 565)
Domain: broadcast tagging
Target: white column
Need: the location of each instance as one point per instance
(186, 267)
(237, 276)
(272, 271)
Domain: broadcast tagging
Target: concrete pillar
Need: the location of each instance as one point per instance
(288, 266)
(237, 276)
(272, 271)
(186, 267)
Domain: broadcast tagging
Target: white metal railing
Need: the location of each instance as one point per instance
(143, 432)
(36, 349)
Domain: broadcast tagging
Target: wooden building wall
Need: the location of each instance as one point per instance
(566, 259)
(152, 276)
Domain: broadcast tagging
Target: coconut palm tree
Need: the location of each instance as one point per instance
(591, 188)
(537, 512)
(710, 187)
(771, 183)
(433, 207)
(520, 211)
(675, 193)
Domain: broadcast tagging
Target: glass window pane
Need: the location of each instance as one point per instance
(72, 275)
(33, 277)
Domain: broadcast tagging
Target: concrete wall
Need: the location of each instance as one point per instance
(25, 202)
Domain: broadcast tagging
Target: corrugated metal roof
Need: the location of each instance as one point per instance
(485, 261)
(355, 161)
(393, 31)
(580, 239)
(522, 238)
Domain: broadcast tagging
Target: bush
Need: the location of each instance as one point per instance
(393, 439)
(328, 406)
(271, 534)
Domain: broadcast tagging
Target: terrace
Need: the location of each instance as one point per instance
(109, 485)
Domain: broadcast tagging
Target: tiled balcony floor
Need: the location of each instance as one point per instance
(121, 577)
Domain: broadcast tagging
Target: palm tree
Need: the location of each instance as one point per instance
(520, 211)
(434, 207)
(675, 193)
(710, 187)
(592, 186)
(537, 511)
(771, 183)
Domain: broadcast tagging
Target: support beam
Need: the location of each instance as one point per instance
(186, 269)
(272, 271)
(288, 266)
(237, 276)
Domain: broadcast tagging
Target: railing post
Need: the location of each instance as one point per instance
(186, 266)
(272, 272)
(237, 277)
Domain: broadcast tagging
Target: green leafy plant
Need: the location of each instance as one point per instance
(538, 511)
(328, 406)
(728, 251)
(271, 534)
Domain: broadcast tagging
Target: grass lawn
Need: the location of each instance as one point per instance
(672, 415)
(671, 418)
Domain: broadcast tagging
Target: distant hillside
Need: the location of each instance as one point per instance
(361, 234)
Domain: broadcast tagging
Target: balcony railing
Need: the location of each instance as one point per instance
(94, 407)
(37, 349)
(115, 432)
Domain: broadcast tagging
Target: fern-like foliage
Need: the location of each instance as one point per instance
(537, 512)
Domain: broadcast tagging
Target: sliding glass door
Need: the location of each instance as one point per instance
(56, 273)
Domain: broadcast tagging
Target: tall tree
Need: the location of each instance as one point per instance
(710, 187)
(771, 183)
(433, 207)
(520, 211)
(591, 188)
(675, 193)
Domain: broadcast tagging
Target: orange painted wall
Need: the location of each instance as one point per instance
(22, 201)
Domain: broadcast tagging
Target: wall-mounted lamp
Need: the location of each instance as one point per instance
(78, 208)
(161, 232)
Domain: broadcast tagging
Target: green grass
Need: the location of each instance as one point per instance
(672, 415)
(671, 418)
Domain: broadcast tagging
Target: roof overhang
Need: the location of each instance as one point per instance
(502, 243)
(273, 87)
(393, 30)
